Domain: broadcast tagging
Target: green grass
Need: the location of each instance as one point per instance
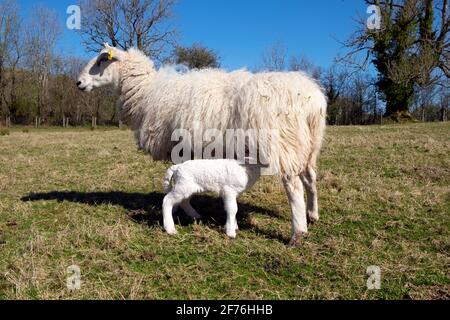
(89, 198)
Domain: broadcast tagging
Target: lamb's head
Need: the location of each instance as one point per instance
(102, 70)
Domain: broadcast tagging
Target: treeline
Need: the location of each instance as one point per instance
(58, 102)
(409, 77)
(36, 84)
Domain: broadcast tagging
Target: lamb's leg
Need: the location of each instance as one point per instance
(294, 190)
(308, 178)
(229, 200)
(190, 211)
(170, 200)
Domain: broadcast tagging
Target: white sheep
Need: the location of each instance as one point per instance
(155, 103)
(226, 177)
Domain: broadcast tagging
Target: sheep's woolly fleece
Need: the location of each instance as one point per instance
(155, 103)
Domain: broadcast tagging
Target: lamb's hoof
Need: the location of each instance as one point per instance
(312, 218)
(296, 239)
(231, 235)
(171, 231)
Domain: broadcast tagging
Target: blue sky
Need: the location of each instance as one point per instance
(240, 30)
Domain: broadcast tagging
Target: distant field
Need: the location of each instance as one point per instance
(88, 198)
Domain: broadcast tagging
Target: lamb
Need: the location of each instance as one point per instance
(227, 177)
(156, 102)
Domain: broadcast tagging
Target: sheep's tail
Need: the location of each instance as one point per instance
(317, 124)
(167, 183)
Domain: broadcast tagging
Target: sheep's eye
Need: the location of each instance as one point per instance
(102, 58)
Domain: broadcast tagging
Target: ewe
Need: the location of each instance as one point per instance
(226, 177)
(155, 103)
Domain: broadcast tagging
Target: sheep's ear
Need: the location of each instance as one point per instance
(106, 45)
(114, 53)
(110, 53)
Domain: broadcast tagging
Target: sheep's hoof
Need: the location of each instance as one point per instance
(295, 240)
(193, 214)
(196, 216)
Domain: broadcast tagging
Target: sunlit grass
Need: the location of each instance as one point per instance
(89, 198)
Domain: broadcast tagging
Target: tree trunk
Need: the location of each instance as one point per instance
(443, 114)
(398, 100)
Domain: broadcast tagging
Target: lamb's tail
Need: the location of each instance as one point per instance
(167, 183)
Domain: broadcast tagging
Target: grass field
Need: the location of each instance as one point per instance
(88, 198)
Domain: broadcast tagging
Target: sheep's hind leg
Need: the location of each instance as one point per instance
(170, 200)
(229, 199)
(190, 211)
(295, 193)
(308, 178)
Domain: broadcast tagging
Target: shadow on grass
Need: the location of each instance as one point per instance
(145, 208)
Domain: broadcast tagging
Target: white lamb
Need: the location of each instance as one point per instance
(227, 177)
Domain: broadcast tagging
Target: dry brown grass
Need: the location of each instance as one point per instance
(90, 199)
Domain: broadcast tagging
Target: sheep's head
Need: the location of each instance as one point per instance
(102, 70)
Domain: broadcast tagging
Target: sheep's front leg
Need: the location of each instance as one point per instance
(190, 211)
(309, 182)
(229, 199)
(170, 200)
(295, 193)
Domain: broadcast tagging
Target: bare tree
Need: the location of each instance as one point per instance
(10, 54)
(274, 58)
(301, 63)
(14, 59)
(444, 101)
(333, 82)
(41, 37)
(128, 23)
(424, 98)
